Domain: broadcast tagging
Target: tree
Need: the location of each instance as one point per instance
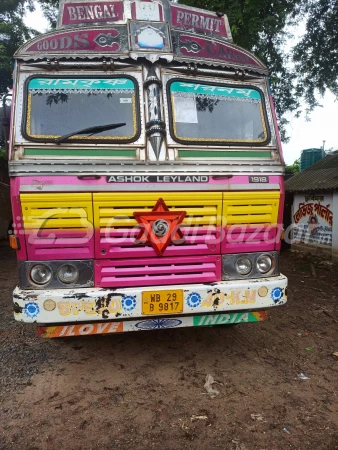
(50, 10)
(297, 75)
(293, 168)
(13, 33)
(316, 55)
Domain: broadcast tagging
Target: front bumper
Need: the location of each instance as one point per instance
(58, 306)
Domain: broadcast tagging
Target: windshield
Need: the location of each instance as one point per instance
(217, 113)
(60, 106)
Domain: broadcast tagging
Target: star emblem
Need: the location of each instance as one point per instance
(160, 227)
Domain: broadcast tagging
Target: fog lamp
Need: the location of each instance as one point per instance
(243, 265)
(264, 263)
(40, 274)
(68, 274)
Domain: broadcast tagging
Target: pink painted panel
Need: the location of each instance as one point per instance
(157, 271)
(119, 243)
(244, 238)
(280, 213)
(17, 218)
(48, 181)
(59, 244)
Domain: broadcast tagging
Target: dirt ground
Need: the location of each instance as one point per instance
(145, 390)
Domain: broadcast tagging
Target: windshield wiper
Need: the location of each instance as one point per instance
(90, 131)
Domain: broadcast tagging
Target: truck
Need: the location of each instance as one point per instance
(146, 173)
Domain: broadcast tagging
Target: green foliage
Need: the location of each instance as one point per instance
(297, 75)
(13, 33)
(3, 158)
(293, 168)
(50, 10)
(316, 55)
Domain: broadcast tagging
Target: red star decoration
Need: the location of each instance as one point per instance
(170, 221)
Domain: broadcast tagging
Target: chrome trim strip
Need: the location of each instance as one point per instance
(130, 187)
(104, 167)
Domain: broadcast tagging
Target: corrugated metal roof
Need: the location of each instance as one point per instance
(323, 175)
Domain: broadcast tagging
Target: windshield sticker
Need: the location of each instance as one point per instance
(80, 83)
(185, 110)
(125, 100)
(200, 89)
(145, 10)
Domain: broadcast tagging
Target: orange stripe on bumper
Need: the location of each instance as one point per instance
(80, 330)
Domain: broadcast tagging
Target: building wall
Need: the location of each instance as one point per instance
(315, 223)
(335, 227)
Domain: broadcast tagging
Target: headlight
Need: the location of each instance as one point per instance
(243, 265)
(250, 265)
(264, 263)
(68, 274)
(60, 274)
(41, 274)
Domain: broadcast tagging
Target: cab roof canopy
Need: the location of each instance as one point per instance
(151, 29)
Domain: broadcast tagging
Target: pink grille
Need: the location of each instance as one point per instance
(157, 271)
(119, 243)
(59, 244)
(246, 238)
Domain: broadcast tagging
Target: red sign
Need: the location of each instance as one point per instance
(198, 47)
(160, 227)
(99, 40)
(75, 13)
(199, 21)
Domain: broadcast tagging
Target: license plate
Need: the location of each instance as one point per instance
(162, 302)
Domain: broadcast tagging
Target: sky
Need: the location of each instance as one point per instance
(322, 127)
(303, 134)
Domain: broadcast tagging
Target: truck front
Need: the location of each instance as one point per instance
(146, 173)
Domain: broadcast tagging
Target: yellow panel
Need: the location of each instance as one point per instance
(116, 209)
(250, 208)
(62, 211)
(62, 198)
